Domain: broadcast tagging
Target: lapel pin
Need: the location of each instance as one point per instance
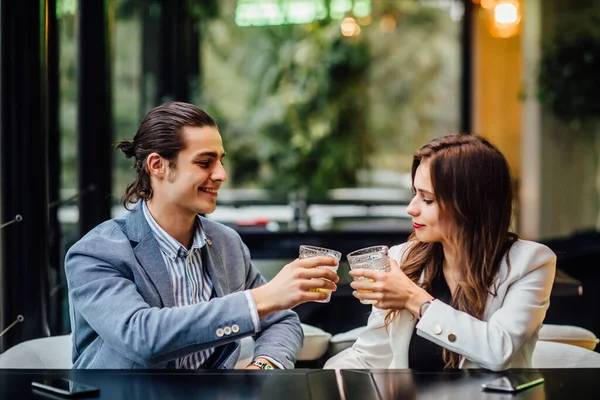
(209, 242)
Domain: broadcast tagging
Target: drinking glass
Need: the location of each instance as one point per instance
(374, 258)
(307, 251)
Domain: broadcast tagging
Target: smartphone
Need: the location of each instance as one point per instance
(513, 382)
(66, 387)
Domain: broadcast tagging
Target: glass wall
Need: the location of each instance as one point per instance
(317, 101)
(66, 13)
(127, 86)
(341, 102)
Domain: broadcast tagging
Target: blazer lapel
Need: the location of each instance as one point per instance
(148, 254)
(211, 260)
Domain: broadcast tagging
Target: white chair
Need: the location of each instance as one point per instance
(566, 334)
(343, 340)
(316, 343)
(246, 353)
(569, 334)
(55, 352)
(560, 355)
(50, 352)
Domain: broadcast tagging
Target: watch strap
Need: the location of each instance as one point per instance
(261, 365)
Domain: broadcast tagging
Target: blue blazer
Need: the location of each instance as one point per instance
(122, 306)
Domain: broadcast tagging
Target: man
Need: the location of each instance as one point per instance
(163, 287)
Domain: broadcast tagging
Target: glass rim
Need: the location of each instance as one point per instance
(321, 249)
(367, 251)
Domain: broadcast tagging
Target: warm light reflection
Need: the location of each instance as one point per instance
(504, 17)
(350, 27)
(387, 23)
(506, 13)
(487, 4)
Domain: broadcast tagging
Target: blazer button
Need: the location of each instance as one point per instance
(220, 332)
(209, 242)
(452, 337)
(227, 330)
(235, 328)
(437, 330)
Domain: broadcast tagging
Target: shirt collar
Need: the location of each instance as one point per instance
(167, 243)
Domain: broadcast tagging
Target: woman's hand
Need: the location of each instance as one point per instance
(392, 290)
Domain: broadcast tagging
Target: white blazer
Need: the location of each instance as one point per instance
(505, 338)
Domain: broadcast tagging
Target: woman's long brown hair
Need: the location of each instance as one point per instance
(472, 185)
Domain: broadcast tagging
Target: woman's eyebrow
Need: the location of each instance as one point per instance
(425, 191)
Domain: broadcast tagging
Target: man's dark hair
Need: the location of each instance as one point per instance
(159, 132)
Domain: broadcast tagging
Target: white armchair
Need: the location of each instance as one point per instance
(573, 336)
(55, 352)
(50, 352)
(560, 355)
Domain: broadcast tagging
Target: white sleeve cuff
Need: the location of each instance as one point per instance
(253, 312)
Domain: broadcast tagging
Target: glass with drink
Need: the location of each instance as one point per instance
(374, 258)
(307, 251)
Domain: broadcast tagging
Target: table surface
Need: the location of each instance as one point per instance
(466, 384)
(303, 384)
(298, 384)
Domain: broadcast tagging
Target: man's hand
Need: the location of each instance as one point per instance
(292, 285)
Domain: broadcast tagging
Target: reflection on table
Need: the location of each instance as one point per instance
(163, 385)
(465, 384)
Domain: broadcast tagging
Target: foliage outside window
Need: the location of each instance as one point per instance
(300, 107)
(304, 108)
(568, 79)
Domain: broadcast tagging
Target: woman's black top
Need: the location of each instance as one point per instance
(423, 354)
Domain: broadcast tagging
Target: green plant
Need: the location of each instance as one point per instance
(569, 78)
(318, 98)
(304, 109)
(306, 128)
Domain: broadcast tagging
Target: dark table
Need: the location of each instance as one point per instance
(466, 384)
(162, 385)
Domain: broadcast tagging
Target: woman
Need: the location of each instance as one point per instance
(469, 293)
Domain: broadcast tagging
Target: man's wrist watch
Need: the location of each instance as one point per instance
(261, 365)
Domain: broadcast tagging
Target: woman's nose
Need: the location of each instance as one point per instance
(412, 208)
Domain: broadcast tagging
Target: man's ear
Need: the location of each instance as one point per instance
(156, 165)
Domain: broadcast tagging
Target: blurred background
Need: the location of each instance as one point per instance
(321, 104)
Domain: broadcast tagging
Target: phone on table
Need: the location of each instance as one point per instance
(513, 382)
(65, 387)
